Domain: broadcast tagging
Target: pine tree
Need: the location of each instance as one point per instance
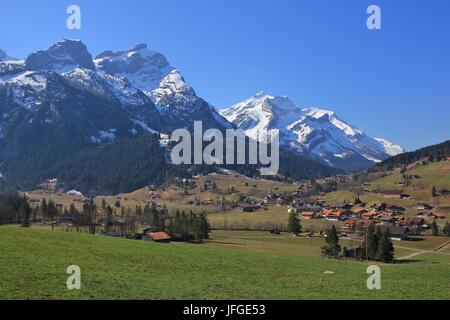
(434, 229)
(204, 226)
(73, 209)
(43, 208)
(108, 218)
(332, 247)
(25, 212)
(385, 248)
(446, 230)
(371, 243)
(90, 211)
(294, 225)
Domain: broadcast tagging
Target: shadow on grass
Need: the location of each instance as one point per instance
(415, 239)
(413, 261)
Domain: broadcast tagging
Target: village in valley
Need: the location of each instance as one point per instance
(223, 226)
(221, 205)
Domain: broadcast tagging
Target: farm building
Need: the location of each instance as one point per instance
(159, 237)
(308, 215)
(397, 233)
(397, 194)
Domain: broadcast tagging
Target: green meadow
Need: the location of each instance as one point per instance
(33, 265)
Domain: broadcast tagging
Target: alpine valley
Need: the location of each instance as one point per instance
(100, 124)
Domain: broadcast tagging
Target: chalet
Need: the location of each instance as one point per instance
(160, 237)
(425, 214)
(396, 209)
(309, 215)
(416, 223)
(336, 215)
(350, 224)
(341, 206)
(379, 206)
(438, 215)
(358, 212)
(387, 219)
(397, 194)
(369, 215)
(424, 206)
(397, 232)
(309, 208)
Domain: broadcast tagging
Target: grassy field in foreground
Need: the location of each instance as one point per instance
(33, 265)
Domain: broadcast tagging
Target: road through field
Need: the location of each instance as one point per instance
(419, 252)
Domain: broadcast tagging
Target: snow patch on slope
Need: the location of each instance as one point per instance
(390, 148)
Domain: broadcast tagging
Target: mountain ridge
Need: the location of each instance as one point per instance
(314, 132)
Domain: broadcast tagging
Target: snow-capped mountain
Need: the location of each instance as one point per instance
(62, 110)
(151, 73)
(62, 57)
(178, 102)
(314, 132)
(142, 67)
(57, 107)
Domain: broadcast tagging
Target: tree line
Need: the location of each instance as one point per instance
(15, 209)
(377, 246)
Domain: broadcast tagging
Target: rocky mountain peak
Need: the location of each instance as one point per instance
(63, 56)
(3, 55)
(142, 67)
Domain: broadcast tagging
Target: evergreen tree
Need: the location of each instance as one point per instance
(294, 225)
(25, 212)
(73, 209)
(108, 218)
(90, 211)
(385, 248)
(434, 229)
(370, 246)
(52, 210)
(446, 230)
(332, 247)
(204, 226)
(43, 208)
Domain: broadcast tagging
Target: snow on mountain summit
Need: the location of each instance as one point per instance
(314, 132)
(63, 56)
(174, 87)
(145, 69)
(262, 112)
(390, 148)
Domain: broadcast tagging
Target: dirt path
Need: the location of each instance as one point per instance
(418, 252)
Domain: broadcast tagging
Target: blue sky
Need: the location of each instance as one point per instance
(393, 83)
